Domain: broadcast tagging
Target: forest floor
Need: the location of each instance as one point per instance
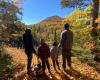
(80, 70)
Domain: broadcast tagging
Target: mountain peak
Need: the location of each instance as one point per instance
(51, 20)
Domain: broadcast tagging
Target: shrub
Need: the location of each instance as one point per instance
(6, 66)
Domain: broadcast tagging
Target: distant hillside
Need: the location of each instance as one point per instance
(51, 20)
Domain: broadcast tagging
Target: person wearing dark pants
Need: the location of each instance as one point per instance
(66, 41)
(29, 60)
(28, 46)
(44, 63)
(66, 55)
(44, 54)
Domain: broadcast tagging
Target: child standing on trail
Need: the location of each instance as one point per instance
(54, 55)
(44, 54)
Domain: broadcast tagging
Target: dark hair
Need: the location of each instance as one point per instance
(28, 31)
(55, 44)
(66, 25)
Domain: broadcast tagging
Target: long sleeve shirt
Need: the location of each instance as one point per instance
(44, 51)
(27, 43)
(66, 39)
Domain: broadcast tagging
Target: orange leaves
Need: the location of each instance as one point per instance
(86, 30)
(90, 44)
(55, 27)
(97, 20)
(85, 70)
(80, 71)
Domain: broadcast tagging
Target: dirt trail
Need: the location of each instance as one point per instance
(80, 71)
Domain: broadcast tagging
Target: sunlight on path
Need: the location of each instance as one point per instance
(80, 71)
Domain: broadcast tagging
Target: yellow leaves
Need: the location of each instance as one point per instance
(85, 30)
(55, 27)
(79, 70)
(75, 17)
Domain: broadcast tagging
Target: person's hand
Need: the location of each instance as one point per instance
(34, 51)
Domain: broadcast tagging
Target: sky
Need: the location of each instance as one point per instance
(35, 11)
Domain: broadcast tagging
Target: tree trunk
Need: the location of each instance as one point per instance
(55, 35)
(95, 16)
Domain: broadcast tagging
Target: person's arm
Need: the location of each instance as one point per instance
(48, 51)
(34, 50)
(23, 40)
(59, 45)
(72, 36)
(39, 52)
(61, 39)
(32, 44)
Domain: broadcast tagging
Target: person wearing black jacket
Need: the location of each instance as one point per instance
(28, 46)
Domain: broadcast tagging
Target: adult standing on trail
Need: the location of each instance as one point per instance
(66, 40)
(28, 46)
